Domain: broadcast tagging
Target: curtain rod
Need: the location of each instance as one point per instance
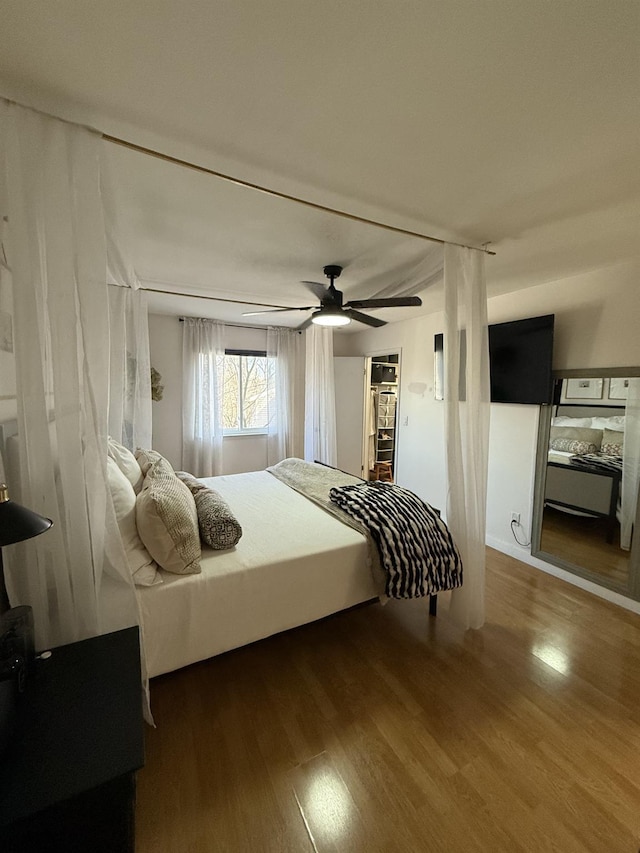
(241, 326)
(211, 298)
(168, 158)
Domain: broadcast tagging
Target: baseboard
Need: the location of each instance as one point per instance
(524, 555)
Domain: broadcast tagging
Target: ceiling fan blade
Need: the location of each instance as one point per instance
(364, 318)
(316, 288)
(387, 302)
(275, 311)
(304, 325)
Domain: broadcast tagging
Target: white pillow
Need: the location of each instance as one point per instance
(143, 569)
(615, 423)
(571, 422)
(126, 462)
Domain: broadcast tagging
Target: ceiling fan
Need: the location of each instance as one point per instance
(332, 311)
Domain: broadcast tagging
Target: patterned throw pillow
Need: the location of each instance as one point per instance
(575, 439)
(612, 442)
(167, 520)
(572, 445)
(218, 526)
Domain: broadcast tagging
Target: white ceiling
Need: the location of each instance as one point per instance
(510, 121)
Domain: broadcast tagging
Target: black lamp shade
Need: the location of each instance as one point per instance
(18, 523)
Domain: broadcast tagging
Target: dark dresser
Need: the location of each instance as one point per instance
(67, 779)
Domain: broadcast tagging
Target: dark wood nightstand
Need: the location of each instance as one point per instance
(67, 781)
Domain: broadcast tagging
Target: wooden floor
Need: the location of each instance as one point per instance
(380, 729)
(583, 541)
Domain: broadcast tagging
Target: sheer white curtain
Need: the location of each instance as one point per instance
(630, 464)
(74, 575)
(413, 277)
(285, 394)
(130, 367)
(467, 411)
(202, 396)
(320, 397)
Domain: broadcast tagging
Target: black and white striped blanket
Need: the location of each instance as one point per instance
(598, 460)
(416, 548)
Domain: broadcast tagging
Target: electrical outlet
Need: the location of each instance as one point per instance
(515, 516)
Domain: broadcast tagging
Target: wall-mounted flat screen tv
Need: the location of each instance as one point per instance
(520, 358)
(520, 361)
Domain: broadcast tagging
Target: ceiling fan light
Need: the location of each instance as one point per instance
(331, 317)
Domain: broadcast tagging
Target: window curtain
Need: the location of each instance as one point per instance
(73, 575)
(467, 411)
(630, 464)
(285, 394)
(202, 396)
(320, 397)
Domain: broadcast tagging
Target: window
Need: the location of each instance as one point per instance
(249, 390)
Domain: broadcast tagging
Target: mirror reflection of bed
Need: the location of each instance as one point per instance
(582, 511)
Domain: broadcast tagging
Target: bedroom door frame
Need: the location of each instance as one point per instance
(369, 356)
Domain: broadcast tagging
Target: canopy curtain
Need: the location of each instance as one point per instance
(320, 397)
(74, 575)
(467, 412)
(413, 277)
(630, 464)
(285, 394)
(129, 367)
(202, 396)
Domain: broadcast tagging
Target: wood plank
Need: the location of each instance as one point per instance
(380, 729)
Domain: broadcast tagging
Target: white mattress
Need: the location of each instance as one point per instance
(294, 563)
(561, 456)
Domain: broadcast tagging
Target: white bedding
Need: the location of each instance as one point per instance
(294, 563)
(562, 456)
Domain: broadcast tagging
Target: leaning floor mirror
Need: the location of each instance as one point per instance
(587, 478)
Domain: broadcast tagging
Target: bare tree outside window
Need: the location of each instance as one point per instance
(248, 392)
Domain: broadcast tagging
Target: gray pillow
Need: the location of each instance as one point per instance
(218, 526)
(146, 459)
(167, 520)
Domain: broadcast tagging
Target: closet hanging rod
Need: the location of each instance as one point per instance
(168, 158)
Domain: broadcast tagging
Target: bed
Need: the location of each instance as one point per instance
(584, 465)
(299, 558)
(294, 563)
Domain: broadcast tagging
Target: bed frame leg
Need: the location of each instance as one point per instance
(433, 605)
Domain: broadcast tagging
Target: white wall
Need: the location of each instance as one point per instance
(596, 326)
(420, 420)
(241, 453)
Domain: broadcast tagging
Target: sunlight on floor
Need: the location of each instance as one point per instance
(553, 657)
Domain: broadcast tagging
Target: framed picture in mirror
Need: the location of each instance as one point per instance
(618, 389)
(584, 389)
